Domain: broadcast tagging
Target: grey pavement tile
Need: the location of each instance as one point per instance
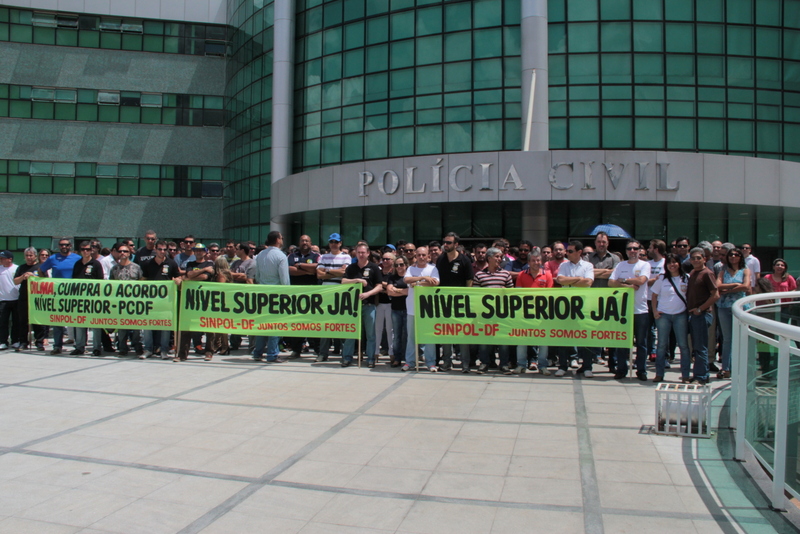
(13, 465)
(17, 496)
(553, 491)
(366, 512)
(356, 454)
(196, 491)
(553, 522)
(632, 524)
(190, 458)
(427, 517)
(328, 528)
(549, 432)
(546, 448)
(16, 525)
(390, 479)
(331, 473)
(630, 496)
(238, 522)
(150, 516)
(407, 458)
(632, 471)
(475, 463)
(236, 463)
(288, 503)
(69, 473)
(489, 430)
(130, 482)
(486, 445)
(465, 486)
(543, 467)
(76, 507)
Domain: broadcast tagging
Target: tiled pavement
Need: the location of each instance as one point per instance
(122, 445)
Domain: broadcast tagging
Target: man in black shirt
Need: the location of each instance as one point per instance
(147, 252)
(367, 274)
(160, 267)
(200, 270)
(303, 272)
(455, 270)
(25, 271)
(87, 268)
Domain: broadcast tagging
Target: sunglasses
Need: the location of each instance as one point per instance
(64, 245)
(449, 242)
(632, 248)
(86, 249)
(161, 249)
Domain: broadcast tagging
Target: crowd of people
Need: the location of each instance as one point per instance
(682, 298)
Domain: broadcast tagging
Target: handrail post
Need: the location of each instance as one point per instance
(781, 426)
(741, 350)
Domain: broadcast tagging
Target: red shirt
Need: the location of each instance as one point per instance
(542, 279)
(552, 267)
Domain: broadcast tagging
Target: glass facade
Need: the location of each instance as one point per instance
(66, 178)
(113, 33)
(248, 137)
(377, 79)
(718, 76)
(62, 103)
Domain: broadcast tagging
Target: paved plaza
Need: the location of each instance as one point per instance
(122, 445)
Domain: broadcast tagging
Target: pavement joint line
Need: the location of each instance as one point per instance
(592, 510)
(124, 412)
(24, 382)
(230, 503)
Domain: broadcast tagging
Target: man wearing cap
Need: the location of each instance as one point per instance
(303, 272)
(87, 268)
(60, 265)
(9, 295)
(330, 271)
(201, 270)
(272, 268)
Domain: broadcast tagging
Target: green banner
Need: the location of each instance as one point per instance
(581, 317)
(329, 311)
(128, 304)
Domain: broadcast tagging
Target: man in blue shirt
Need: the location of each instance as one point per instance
(60, 265)
(272, 268)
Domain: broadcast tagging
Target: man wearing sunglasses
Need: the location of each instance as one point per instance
(330, 271)
(303, 272)
(60, 265)
(455, 270)
(87, 268)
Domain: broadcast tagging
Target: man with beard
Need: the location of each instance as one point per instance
(521, 261)
(200, 270)
(25, 271)
(161, 267)
(559, 252)
(147, 252)
(60, 264)
(303, 272)
(455, 270)
(87, 268)
(125, 269)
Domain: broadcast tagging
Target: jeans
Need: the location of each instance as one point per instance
(486, 354)
(384, 321)
(725, 323)
(677, 324)
(522, 356)
(368, 328)
(447, 354)
(586, 354)
(641, 324)
(268, 342)
(8, 312)
(429, 351)
(162, 337)
(80, 338)
(135, 337)
(698, 328)
(651, 330)
(400, 329)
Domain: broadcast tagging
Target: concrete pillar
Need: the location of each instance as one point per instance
(534, 56)
(282, 102)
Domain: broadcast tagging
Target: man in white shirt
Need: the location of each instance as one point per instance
(421, 273)
(634, 273)
(655, 252)
(575, 272)
(752, 263)
(9, 295)
(330, 271)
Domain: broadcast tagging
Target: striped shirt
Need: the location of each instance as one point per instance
(499, 278)
(333, 261)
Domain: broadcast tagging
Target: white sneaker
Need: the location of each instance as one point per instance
(3, 346)
(545, 371)
(145, 355)
(575, 364)
(588, 374)
(560, 372)
(433, 369)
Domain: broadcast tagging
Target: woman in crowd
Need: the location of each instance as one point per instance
(733, 282)
(669, 311)
(533, 276)
(780, 278)
(219, 341)
(397, 290)
(43, 255)
(383, 311)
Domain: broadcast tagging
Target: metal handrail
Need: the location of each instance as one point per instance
(740, 345)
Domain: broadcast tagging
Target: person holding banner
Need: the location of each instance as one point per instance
(367, 274)
(575, 272)
(455, 270)
(272, 268)
(330, 271)
(87, 268)
(492, 276)
(60, 265)
(161, 267)
(421, 273)
(25, 271)
(534, 276)
(398, 292)
(634, 273)
(125, 269)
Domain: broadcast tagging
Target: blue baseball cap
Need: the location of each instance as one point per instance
(335, 237)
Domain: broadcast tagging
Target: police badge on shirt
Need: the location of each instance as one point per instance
(88, 270)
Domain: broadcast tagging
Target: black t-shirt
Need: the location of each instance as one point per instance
(383, 296)
(88, 271)
(454, 273)
(398, 303)
(205, 277)
(370, 272)
(167, 270)
(144, 255)
(23, 287)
